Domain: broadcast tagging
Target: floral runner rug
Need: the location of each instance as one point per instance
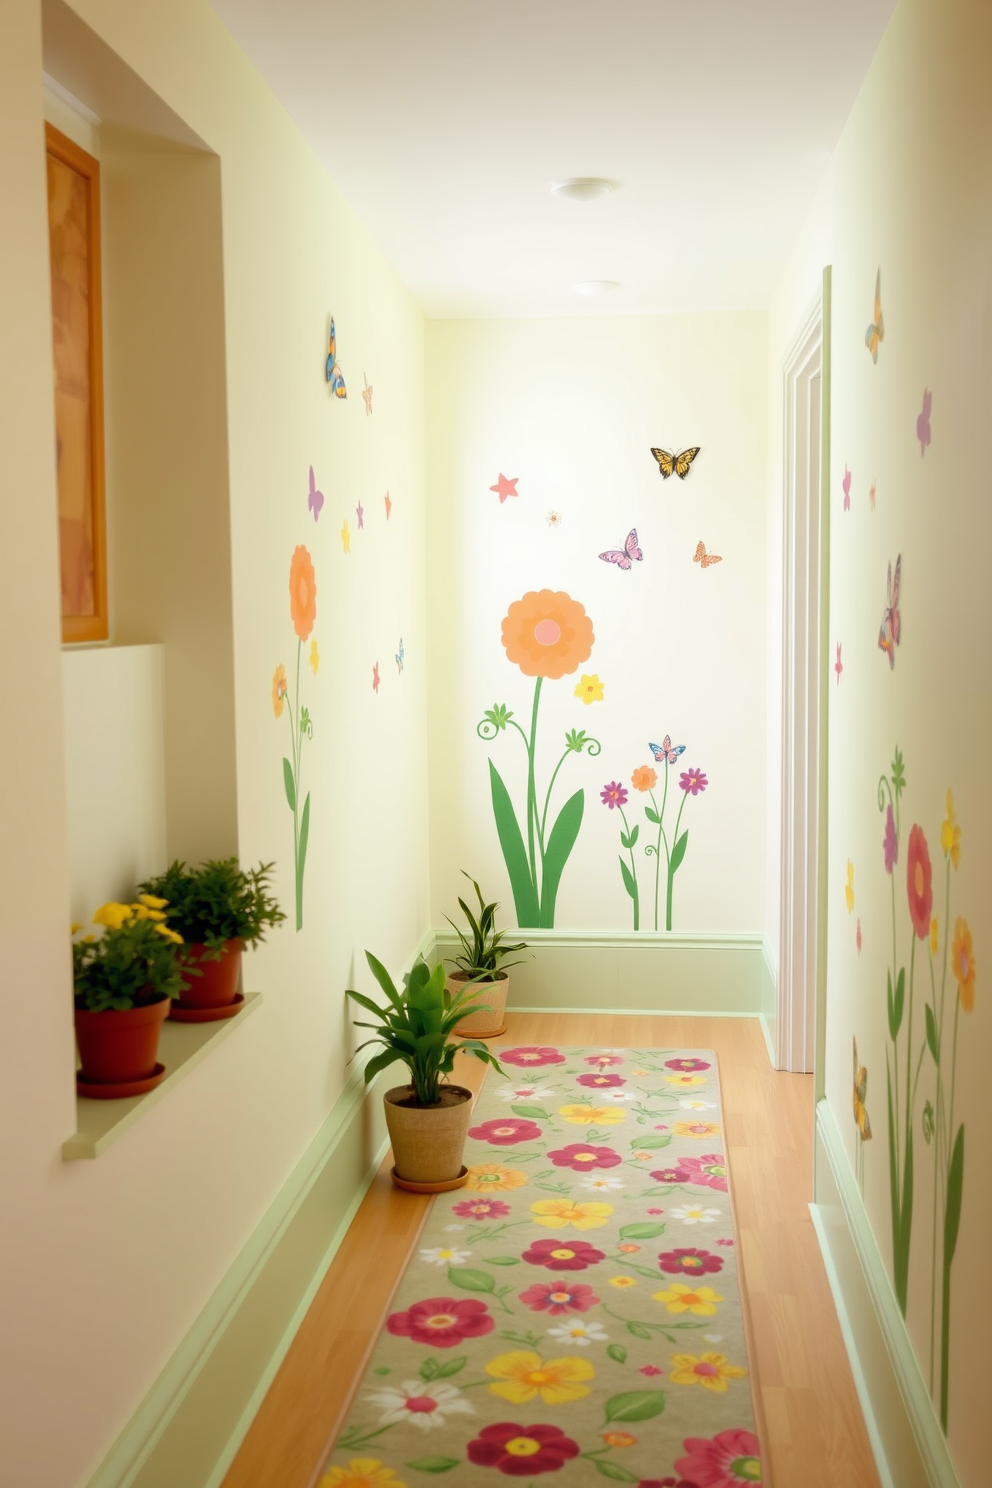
(572, 1314)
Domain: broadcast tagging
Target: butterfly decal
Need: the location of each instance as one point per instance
(677, 464)
(629, 553)
(334, 374)
(923, 422)
(400, 657)
(367, 395)
(876, 331)
(838, 664)
(846, 487)
(389, 506)
(706, 559)
(871, 495)
(890, 629)
(315, 500)
(860, 1096)
(667, 752)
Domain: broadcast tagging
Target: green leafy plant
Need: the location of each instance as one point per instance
(133, 963)
(482, 953)
(415, 1027)
(217, 902)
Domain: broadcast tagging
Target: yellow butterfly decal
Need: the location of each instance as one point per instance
(701, 556)
(876, 331)
(678, 463)
(860, 1096)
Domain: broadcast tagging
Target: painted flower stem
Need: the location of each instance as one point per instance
(672, 871)
(633, 870)
(531, 784)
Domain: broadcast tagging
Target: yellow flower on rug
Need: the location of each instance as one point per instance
(622, 1282)
(523, 1374)
(681, 1298)
(361, 1472)
(592, 1115)
(685, 1081)
(710, 1370)
(557, 1213)
(696, 1129)
(494, 1177)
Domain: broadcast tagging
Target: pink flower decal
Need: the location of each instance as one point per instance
(582, 1155)
(601, 1081)
(603, 1060)
(688, 1261)
(890, 842)
(529, 1056)
(728, 1460)
(693, 781)
(482, 1209)
(441, 1322)
(919, 882)
(710, 1171)
(506, 1131)
(688, 1066)
(613, 795)
(563, 1255)
(522, 1451)
(556, 1300)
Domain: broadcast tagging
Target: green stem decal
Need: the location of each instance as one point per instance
(303, 610)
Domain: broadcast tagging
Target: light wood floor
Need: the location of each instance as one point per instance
(813, 1433)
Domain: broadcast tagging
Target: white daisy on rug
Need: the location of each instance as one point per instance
(695, 1214)
(578, 1332)
(617, 1096)
(603, 1183)
(444, 1255)
(697, 1105)
(450, 1229)
(422, 1405)
(526, 1093)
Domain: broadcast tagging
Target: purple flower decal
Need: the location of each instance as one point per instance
(693, 781)
(890, 843)
(613, 795)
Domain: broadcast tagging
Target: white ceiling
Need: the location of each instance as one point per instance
(444, 124)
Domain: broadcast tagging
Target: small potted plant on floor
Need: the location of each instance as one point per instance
(218, 909)
(123, 984)
(427, 1119)
(479, 964)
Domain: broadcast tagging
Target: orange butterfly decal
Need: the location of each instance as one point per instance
(701, 556)
(367, 395)
(876, 331)
(860, 1094)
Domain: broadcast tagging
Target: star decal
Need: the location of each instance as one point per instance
(375, 677)
(505, 487)
(361, 515)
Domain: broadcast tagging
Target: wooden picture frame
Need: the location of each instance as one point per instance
(73, 178)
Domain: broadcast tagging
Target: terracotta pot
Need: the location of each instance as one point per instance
(119, 1046)
(217, 984)
(492, 994)
(428, 1141)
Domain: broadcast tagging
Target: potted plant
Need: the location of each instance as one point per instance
(123, 985)
(428, 1118)
(218, 909)
(479, 963)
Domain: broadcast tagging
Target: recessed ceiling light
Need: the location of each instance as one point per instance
(583, 188)
(595, 286)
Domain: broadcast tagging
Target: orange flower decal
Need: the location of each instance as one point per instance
(644, 778)
(963, 964)
(302, 593)
(279, 689)
(547, 634)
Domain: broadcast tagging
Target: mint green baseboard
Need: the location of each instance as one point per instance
(909, 1446)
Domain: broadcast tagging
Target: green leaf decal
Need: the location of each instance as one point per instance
(304, 836)
(932, 1034)
(648, 1144)
(617, 1352)
(433, 1464)
(955, 1193)
(634, 836)
(470, 1279)
(450, 1367)
(900, 999)
(287, 778)
(652, 816)
(535, 1113)
(678, 851)
(613, 1470)
(514, 852)
(641, 1231)
(560, 844)
(628, 881)
(635, 1405)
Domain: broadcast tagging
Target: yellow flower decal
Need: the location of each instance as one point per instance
(113, 915)
(279, 689)
(314, 657)
(933, 936)
(698, 1129)
(710, 1370)
(522, 1375)
(701, 1301)
(592, 1115)
(494, 1178)
(849, 891)
(950, 833)
(557, 1213)
(590, 689)
(963, 964)
(361, 1472)
(346, 538)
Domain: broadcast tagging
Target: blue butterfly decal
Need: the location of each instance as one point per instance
(334, 374)
(399, 657)
(667, 752)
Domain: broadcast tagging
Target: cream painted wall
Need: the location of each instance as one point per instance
(919, 136)
(571, 408)
(111, 1261)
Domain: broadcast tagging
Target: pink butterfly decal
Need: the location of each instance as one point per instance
(838, 664)
(858, 936)
(666, 750)
(316, 498)
(631, 552)
(846, 483)
(871, 495)
(923, 422)
(890, 628)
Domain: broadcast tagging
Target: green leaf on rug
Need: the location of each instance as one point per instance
(618, 1353)
(469, 1279)
(428, 1370)
(503, 1261)
(635, 1405)
(536, 1113)
(612, 1470)
(382, 1370)
(648, 1144)
(639, 1330)
(450, 1367)
(433, 1464)
(641, 1232)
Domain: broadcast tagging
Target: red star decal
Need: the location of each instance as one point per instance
(505, 487)
(375, 678)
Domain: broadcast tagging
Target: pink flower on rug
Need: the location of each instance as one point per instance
(727, 1460)
(563, 1255)
(688, 1065)
(688, 1261)
(709, 1171)
(581, 1155)
(603, 1060)
(679, 1174)
(520, 1451)
(650, 1369)
(441, 1322)
(482, 1209)
(559, 1299)
(601, 1081)
(505, 1132)
(725, 1242)
(531, 1055)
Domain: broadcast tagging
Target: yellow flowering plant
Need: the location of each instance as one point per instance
(133, 962)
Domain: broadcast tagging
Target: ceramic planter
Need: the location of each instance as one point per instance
(493, 994)
(214, 993)
(428, 1141)
(118, 1049)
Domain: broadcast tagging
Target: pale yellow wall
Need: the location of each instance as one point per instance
(913, 194)
(109, 1262)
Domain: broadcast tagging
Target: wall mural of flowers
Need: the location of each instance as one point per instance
(303, 613)
(906, 1060)
(548, 635)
